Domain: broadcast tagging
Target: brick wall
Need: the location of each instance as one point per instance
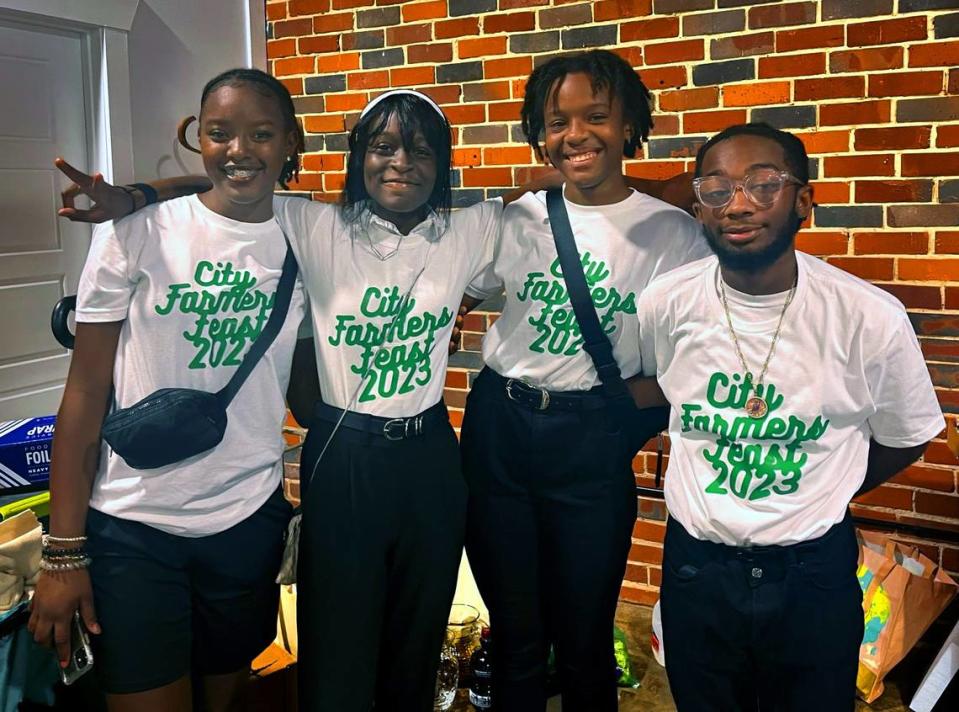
(869, 85)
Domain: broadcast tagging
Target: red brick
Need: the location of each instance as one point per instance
(915, 296)
(368, 80)
(474, 322)
(696, 122)
(334, 182)
(345, 102)
(456, 28)
(905, 84)
(859, 60)
(666, 125)
(411, 76)
(340, 62)
(309, 7)
(486, 177)
(856, 113)
(336, 22)
(950, 560)
(953, 85)
(516, 4)
(832, 88)
(515, 22)
(293, 65)
(951, 302)
(463, 157)
(446, 94)
(793, 65)
(822, 243)
(825, 141)
(637, 573)
(308, 181)
(413, 12)
(934, 54)
(930, 164)
(324, 123)
(281, 48)
(316, 45)
(487, 91)
(674, 52)
(810, 38)
(619, 9)
(323, 162)
(890, 243)
(893, 138)
(894, 191)
(685, 99)
(851, 166)
(649, 530)
(947, 242)
(652, 29)
(919, 270)
(437, 52)
(934, 349)
(742, 45)
(505, 111)
(646, 553)
(890, 497)
(756, 94)
(409, 34)
(865, 267)
(655, 170)
(830, 192)
(466, 113)
(643, 595)
(292, 28)
(294, 85)
(456, 417)
(275, 10)
(947, 136)
(349, 4)
(457, 379)
(798, 13)
(481, 47)
(664, 77)
(512, 67)
(887, 31)
(511, 156)
(940, 505)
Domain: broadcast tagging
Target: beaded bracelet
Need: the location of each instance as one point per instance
(47, 539)
(71, 565)
(55, 553)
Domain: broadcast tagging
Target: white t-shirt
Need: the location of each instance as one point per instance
(847, 368)
(623, 246)
(194, 289)
(356, 295)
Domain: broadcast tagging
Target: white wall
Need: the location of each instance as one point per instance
(175, 46)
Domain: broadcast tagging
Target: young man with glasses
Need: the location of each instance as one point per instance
(794, 387)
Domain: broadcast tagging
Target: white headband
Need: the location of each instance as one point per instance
(394, 92)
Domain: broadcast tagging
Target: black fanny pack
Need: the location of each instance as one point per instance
(172, 424)
(639, 424)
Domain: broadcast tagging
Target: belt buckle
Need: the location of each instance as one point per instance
(543, 393)
(388, 426)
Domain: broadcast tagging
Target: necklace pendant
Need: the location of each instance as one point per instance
(756, 407)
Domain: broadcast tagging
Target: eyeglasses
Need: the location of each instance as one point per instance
(761, 188)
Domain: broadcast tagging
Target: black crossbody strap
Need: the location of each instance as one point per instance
(595, 341)
(281, 305)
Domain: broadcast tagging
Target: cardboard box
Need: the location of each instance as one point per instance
(25, 453)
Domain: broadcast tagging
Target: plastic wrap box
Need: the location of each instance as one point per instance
(25, 453)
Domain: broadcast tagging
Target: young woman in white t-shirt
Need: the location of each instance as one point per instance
(172, 569)
(552, 494)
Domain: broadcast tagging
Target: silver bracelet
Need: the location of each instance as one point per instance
(48, 539)
(71, 565)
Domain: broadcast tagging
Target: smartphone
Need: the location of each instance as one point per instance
(81, 654)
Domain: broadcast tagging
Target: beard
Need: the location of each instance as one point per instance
(742, 260)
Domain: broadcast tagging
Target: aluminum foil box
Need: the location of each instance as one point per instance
(25, 452)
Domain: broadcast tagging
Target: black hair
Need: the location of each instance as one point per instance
(267, 86)
(797, 160)
(413, 115)
(606, 70)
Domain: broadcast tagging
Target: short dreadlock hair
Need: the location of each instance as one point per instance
(606, 70)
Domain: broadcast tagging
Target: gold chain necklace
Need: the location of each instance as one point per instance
(756, 406)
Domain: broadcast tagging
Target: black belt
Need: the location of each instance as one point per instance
(536, 398)
(389, 428)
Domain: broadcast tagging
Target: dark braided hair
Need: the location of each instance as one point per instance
(267, 86)
(413, 115)
(606, 70)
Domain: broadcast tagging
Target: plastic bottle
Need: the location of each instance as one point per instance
(481, 687)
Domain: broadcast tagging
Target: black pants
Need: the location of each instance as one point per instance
(551, 511)
(771, 628)
(380, 547)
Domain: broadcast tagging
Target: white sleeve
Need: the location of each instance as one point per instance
(907, 410)
(106, 284)
(646, 314)
(485, 283)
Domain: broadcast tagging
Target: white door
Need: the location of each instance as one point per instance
(43, 115)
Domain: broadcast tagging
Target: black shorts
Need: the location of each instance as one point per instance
(171, 605)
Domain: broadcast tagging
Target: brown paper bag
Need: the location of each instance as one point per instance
(903, 593)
